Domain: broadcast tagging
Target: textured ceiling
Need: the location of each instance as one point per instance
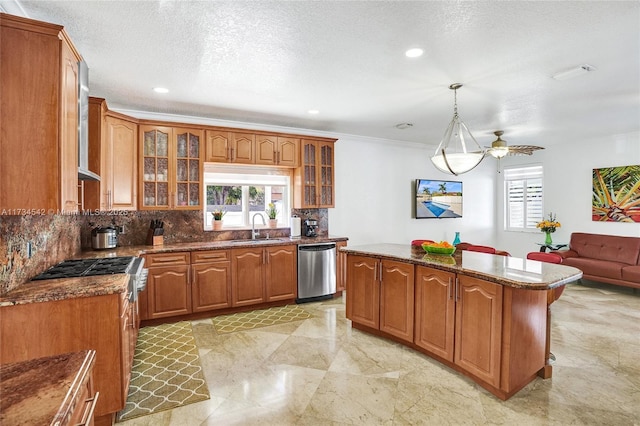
(271, 61)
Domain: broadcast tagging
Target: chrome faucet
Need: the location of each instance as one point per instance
(255, 233)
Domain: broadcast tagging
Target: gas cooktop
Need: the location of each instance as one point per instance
(87, 267)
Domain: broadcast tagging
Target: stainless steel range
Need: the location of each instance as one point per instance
(133, 266)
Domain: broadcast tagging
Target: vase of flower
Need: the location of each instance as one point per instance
(548, 226)
(217, 225)
(272, 212)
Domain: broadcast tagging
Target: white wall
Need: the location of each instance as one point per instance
(568, 170)
(374, 195)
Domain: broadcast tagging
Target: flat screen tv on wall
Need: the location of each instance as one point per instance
(438, 199)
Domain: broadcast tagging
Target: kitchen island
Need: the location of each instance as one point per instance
(483, 315)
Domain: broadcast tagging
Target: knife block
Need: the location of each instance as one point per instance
(154, 240)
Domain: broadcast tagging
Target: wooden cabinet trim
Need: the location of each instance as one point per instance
(209, 256)
(165, 259)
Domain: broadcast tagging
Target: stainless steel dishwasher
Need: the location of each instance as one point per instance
(316, 271)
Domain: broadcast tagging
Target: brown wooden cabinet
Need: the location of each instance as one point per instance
(39, 115)
(223, 146)
(263, 274)
(380, 295)
(113, 143)
(459, 318)
(281, 279)
(210, 280)
(313, 180)
(168, 291)
(341, 267)
(479, 328)
(35, 330)
(170, 168)
(277, 150)
(435, 311)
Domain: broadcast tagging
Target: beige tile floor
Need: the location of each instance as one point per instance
(319, 371)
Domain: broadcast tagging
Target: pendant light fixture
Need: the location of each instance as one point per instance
(458, 151)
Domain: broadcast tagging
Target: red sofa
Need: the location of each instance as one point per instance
(605, 258)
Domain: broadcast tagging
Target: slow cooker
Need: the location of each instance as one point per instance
(104, 238)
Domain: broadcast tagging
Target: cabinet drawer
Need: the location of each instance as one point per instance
(209, 256)
(165, 259)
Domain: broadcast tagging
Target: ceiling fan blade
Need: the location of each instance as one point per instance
(523, 149)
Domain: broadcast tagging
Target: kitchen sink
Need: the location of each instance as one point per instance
(256, 241)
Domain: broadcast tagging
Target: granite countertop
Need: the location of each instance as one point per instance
(504, 270)
(68, 288)
(209, 245)
(43, 391)
(65, 288)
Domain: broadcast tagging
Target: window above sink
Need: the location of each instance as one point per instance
(243, 192)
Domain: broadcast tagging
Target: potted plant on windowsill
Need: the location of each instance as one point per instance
(272, 212)
(218, 214)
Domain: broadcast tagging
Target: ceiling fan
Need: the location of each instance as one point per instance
(499, 147)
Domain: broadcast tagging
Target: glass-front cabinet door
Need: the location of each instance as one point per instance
(310, 175)
(171, 168)
(155, 167)
(313, 180)
(325, 178)
(188, 168)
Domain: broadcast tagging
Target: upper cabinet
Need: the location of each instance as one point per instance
(229, 147)
(277, 150)
(313, 180)
(39, 115)
(170, 168)
(113, 145)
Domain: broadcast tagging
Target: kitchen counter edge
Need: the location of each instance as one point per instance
(503, 270)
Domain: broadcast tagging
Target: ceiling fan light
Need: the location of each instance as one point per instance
(498, 152)
(458, 152)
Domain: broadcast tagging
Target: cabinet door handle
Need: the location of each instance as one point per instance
(375, 273)
(278, 156)
(450, 289)
(233, 151)
(457, 289)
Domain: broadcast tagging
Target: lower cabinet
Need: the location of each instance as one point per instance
(341, 267)
(181, 283)
(210, 280)
(493, 333)
(267, 274)
(168, 286)
(36, 330)
(380, 295)
(459, 318)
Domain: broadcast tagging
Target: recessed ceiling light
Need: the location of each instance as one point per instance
(160, 90)
(414, 53)
(573, 72)
(313, 111)
(403, 126)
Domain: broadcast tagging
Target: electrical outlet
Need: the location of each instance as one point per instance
(120, 229)
(30, 250)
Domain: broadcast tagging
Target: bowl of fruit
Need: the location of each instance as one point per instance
(442, 247)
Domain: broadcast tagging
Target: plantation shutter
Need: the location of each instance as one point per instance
(523, 197)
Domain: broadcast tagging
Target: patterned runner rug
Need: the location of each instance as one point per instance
(262, 318)
(166, 371)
